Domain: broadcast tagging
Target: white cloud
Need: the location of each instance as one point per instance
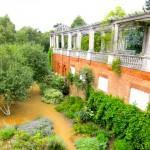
(43, 14)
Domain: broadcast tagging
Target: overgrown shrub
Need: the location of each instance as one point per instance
(85, 115)
(116, 66)
(25, 141)
(56, 82)
(52, 96)
(87, 128)
(89, 143)
(121, 145)
(7, 133)
(124, 120)
(102, 137)
(70, 106)
(55, 143)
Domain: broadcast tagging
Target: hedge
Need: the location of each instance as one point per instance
(126, 121)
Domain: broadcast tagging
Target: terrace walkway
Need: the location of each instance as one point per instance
(34, 108)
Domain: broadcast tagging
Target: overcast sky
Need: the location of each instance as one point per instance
(43, 14)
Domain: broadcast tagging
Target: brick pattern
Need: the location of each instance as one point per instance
(118, 85)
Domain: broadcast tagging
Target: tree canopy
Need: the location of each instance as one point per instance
(78, 21)
(7, 30)
(117, 13)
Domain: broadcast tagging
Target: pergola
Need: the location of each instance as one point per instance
(118, 48)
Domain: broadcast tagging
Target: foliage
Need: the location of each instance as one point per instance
(42, 125)
(125, 121)
(55, 143)
(85, 115)
(106, 40)
(55, 81)
(87, 144)
(120, 144)
(115, 14)
(102, 137)
(25, 141)
(70, 106)
(37, 60)
(50, 54)
(34, 36)
(28, 34)
(116, 66)
(78, 21)
(84, 80)
(85, 42)
(7, 133)
(97, 42)
(7, 30)
(45, 42)
(52, 96)
(134, 37)
(15, 77)
(87, 128)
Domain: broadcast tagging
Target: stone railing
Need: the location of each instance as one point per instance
(130, 61)
(101, 57)
(83, 54)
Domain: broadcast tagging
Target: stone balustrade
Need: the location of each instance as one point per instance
(130, 61)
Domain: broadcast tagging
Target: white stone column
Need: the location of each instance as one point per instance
(74, 42)
(54, 41)
(91, 40)
(147, 43)
(69, 41)
(79, 37)
(103, 42)
(62, 41)
(57, 41)
(50, 41)
(115, 41)
(146, 60)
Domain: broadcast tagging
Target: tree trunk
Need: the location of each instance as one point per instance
(5, 109)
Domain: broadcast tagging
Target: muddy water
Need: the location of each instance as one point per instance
(34, 108)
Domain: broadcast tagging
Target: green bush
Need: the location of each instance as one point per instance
(55, 143)
(87, 128)
(116, 66)
(126, 121)
(120, 144)
(56, 82)
(26, 141)
(87, 144)
(85, 115)
(71, 106)
(7, 133)
(102, 137)
(52, 96)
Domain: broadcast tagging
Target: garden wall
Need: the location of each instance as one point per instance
(109, 80)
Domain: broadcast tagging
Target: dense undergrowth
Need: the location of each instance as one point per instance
(108, 119)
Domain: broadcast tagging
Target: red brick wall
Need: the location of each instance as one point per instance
(118, 85)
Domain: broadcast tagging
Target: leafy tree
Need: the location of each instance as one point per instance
(84, 80)
(37, 60)
(97, 42)
(117, 13)
(28, 34)
(134, 37)
(147, 5)
(45, 41)
(7, 30)
(15, 78)
(85, 42)
(78, 21)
